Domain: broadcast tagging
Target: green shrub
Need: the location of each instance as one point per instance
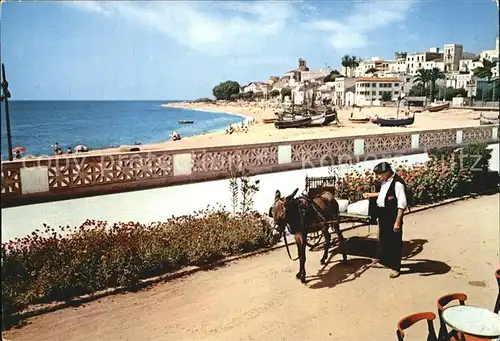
(449, 173)
(60, 264)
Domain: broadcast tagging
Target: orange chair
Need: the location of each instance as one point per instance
(443, 332)
(410, 320)
(497, 305)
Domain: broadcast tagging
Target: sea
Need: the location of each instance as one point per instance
(38, 125)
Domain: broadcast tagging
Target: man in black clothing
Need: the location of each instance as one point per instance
(391, 203)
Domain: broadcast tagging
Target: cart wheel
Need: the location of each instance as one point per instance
(314, 239)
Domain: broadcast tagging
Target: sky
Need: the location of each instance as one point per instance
(169, 50)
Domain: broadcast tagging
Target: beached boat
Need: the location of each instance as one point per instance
(374, 119)
(317, 120)
(436, 108)
(185, 121)
(359, 120)
(329, 118)
(296, 123)
(269, 120)
(487, 121)
(395, 122)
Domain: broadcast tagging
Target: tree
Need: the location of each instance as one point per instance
(224, 90)
(331, 77)
(371, 70)
(484, 72)
(416, 91)
(350, 62)
(286, 92)
(423, 78)
(386, 96)
(274, 93)
(449, 93)
(434, 75)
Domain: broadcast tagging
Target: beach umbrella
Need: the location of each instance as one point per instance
(20, 149)
(81, 148)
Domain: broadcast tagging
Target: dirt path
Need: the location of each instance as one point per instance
(452, 249)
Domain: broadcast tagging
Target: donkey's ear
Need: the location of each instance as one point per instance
(277, 195)
(291, 196)
(270, 214)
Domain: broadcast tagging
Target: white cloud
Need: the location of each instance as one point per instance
(214, 28)
(357, 28)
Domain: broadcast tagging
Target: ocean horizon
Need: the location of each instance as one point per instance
(37, 125)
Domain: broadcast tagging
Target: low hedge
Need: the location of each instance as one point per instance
(449, 173)
(60, 264)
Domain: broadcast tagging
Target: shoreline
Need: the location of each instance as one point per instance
(252, 114)
(246, 117)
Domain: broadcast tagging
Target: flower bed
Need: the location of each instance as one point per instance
(449, 173)
(58, 265)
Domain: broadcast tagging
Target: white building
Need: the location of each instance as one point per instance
(459, 80)
(424, 60)
(256, 87)
(308, 75)
(342, 87)
(452, 57)
(370, 89)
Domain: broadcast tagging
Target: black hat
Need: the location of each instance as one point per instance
(382, 167)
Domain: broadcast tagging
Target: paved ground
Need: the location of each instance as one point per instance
(451, 249)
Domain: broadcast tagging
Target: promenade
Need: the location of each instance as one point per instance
(160, 204)
(453, 248)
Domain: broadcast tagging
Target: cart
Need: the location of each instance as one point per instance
(317, 185)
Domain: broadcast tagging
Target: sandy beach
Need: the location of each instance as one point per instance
(263, 133)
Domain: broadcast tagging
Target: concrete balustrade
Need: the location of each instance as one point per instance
(459, 136)
(284, 154)
(25, 181)
(415, 138)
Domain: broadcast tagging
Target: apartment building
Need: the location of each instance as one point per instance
(423, 60)
(370, 89)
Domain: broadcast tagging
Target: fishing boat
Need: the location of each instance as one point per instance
(439, 107)
(359, 120)
(185, 121)
(317, 120)
(269, 120)
(488, 121)
(329, 118)
(296, 123)
(395, 122)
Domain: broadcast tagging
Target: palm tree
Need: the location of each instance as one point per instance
(350, 62)
(347, 62)
(354, 63)
(371, 70)
(435, 74)
(484, 72)
(423, 78)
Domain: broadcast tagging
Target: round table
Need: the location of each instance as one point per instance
(473, 321)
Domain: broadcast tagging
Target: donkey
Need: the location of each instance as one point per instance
(304, 215)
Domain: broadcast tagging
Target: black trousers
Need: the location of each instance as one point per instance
(390, 243)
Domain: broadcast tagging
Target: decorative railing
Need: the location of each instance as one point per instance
(80, 174)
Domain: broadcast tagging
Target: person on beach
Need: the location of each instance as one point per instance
(391, 203)
(175, 136)
(57, 149)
